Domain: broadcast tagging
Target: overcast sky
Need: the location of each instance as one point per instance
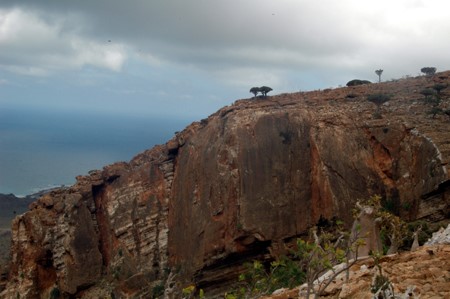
(178, 58)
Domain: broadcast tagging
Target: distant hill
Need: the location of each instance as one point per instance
(10, 206)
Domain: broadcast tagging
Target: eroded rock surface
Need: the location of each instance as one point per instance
(424, 273)
(233, 187)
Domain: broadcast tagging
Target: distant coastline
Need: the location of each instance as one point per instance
(38, 192)
(11, 206)
(40, 150)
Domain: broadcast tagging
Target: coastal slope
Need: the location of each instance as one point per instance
(233, 187)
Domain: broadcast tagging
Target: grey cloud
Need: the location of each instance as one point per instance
(165, 27)
(258, 34)
(37, 46)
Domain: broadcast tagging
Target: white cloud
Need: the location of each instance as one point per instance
(244, 39)
(87, 52)
(38, 46)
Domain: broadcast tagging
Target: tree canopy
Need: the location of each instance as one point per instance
(255, 90)
(378, 99)
(264, 90)
(429, 71)
(356, 82)
(379, 72)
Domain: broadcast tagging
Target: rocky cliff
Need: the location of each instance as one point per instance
(233, 187)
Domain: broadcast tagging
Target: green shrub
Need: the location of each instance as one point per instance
(260, 279)
(306, 263)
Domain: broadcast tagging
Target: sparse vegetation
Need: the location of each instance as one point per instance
(429, 71)
(255, 90)
(381, 287)
(393, 231)
(428, 92)
(257, 280)
(378, 99)
(433, 98)
(435, 111)
(379, 72)
(357, 82)
(314, 261)
(264, 90)
(306, 263)
(321, 256)
(188, 292)
(439, 87)
(425, 232)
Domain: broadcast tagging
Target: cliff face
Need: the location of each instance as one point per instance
(233, 187)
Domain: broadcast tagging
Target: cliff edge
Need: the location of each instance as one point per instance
(233, 187)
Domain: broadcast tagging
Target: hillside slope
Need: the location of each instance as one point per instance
(421, 273)
(425, 271)
(238, 185)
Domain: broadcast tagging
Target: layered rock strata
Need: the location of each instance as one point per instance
(233, 187)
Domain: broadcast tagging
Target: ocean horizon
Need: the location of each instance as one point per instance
(40, 150)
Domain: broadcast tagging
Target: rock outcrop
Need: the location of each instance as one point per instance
(233, 187)
(440, 237)
(424, 273)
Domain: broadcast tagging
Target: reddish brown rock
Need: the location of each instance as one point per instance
(233, 187)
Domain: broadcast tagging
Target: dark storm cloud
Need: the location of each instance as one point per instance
(222, 36)
(206, 32)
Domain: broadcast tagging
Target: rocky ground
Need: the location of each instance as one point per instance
(424, 273)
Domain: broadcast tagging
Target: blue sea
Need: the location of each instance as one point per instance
(43, 149)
